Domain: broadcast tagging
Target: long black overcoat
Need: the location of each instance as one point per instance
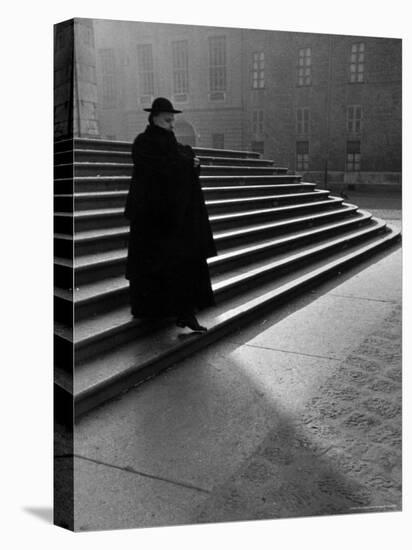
(169, 225)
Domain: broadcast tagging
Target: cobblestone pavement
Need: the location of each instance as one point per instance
(342, 455)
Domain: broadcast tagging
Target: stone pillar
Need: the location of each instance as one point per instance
(85, 123)
(63, 80)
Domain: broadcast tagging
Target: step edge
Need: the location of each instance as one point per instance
(130, 143)
(124, 192)
(88, 179)
(222, 236)
(83, 214)
(250, 275)
(300, 255)
(223, 256)
(255, 304)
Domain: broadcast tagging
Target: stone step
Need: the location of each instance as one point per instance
(91, 143)
(102, 169)
(96, 267)
(210, 152)
(100, 329)
(210, 192)
(89, 219)
(245, 179)
(93, 155)
(66, 186)
(221, 222)
(63, 352)
(239, 191)
(243, 268)
(117, 199)
(114, 217)
(114, 371)
(122, 183)
(96, 241)
(106, 260)
(233, 161)
(118, 145)
(89, 242)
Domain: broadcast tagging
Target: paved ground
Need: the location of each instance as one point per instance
(386, 205)
(298, 414)
(340, 454)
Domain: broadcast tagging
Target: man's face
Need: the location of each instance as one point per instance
(165, 120)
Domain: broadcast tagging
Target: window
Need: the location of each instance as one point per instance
(218, 141)
(180, 67)
(145, 67)
(305, 67)
(258, 72)
(357, 62)
(108, 91)
(258, 147)
(108, 67)
(353, 156)
(302, 121)
(257, 122)
(217, 66)
(302, 155)
(354, 119)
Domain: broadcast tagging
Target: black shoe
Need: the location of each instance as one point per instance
(190, 322)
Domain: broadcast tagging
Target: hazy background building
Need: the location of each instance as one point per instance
(328, 106)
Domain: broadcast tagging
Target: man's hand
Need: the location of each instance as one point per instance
(196, 162)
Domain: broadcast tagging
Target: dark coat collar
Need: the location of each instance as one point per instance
(154, 129)
(161, 136)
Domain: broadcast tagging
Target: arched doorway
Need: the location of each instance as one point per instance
(185, 133)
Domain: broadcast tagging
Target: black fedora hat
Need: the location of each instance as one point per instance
(162, 105)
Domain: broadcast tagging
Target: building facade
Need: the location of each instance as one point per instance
(327, 106)
(199, 69)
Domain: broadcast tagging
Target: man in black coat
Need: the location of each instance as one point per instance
(170, 234)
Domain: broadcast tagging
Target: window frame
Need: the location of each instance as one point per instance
(304, 67)
(356, 66)
(258, 70)
(107, 62)
(302, 157)
(217, 70)
(180, 66)
(354, 119)
(303, 121)
(145, 73)
(353, 156)
(108, 91)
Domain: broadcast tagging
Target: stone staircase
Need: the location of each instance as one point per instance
(276, 235)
